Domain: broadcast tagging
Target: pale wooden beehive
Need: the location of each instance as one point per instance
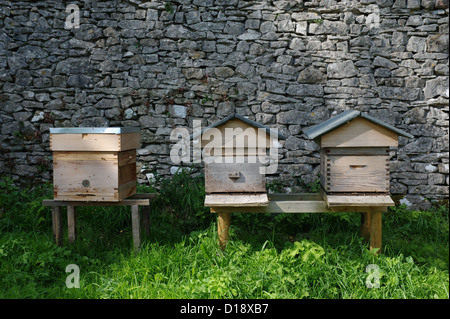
(94, 164)
(228, 180)
(354, 155)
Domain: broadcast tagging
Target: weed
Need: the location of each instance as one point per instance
(42, 164)
(49, 117)
(168, 7)
(205, 99)
(318, 21)
(313, 187)
(22, 208)
(276, 186)
(181, 198)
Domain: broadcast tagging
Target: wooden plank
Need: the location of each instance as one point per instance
(236, 200)
(375, 230)
(223, 226)
(357, 173)
(144, 196)
(129, 141)
(360, 133)
(295, 197)
(126, 157)
(124, 202)
(358, 200)
(85, 156)
(94, 142)
(57, 225)
(294, 203)
(72, 223)
(127, 190)
(85, 142)
(98, 195)
(127, 173)
(136, 227)
(298, 206)
(279, 207)
(248, 178)
(360, 151)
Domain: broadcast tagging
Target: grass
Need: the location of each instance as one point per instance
(287, 256)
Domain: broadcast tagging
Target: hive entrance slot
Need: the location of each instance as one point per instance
(357, 166)
(85, 195)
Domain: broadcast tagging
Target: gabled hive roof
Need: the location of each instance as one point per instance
(243, 119)
(345, 117)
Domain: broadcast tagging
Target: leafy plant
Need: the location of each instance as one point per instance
(307, 251)
(21, 208)
(205, 99)
(8, 193)
(276, 186)
(313, 187)
(168, 7)
(181, 198)
(318, 21)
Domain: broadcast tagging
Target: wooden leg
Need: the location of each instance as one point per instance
(72, 223)
(136, 227)
(146, 219)
(57, 225)
(365, 226)
(223, 225)
(375, 230)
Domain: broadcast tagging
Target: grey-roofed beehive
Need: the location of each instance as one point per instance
(235, 149)
(355, 153)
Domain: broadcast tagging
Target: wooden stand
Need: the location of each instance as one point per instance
(134, 201)
(307, 203)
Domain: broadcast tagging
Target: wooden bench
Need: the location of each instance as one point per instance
(134, 201)
(371, 211)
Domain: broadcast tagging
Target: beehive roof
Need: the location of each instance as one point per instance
(344, 118)
(243, 119)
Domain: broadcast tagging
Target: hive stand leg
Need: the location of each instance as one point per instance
(57, 225)
(365, 226)
(146, 219)
(223, 225)
(375, 230)
(136, 227)
(72, 223)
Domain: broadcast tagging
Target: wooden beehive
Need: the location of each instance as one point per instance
(233, 149)
(354, 155)
(94, 164)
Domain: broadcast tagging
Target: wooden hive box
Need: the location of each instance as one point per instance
(354, 155)
(94, 164)
(232, 151)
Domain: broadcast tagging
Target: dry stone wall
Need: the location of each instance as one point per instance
(287, 64)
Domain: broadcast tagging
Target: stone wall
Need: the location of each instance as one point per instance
(287, 64)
